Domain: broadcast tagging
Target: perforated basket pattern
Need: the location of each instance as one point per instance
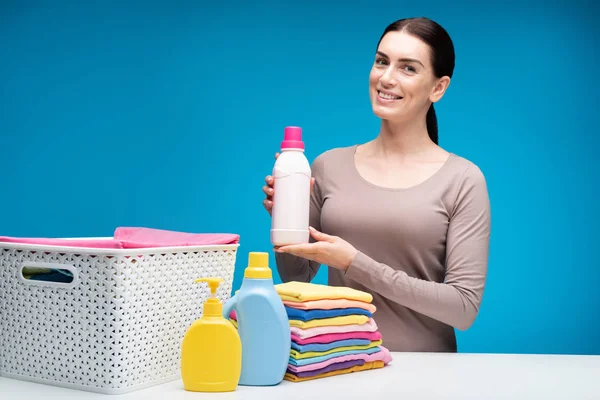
(118, 327)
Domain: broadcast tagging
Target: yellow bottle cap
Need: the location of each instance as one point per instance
(213, 306)
(258, 266)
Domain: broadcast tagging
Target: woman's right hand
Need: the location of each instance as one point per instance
(268, 190)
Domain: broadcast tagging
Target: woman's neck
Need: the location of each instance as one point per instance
(401, 140)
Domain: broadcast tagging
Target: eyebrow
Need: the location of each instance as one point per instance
(402, 59)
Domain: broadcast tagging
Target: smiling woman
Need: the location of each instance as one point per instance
(400, 217)
(405, 38)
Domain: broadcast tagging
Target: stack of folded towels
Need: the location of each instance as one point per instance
(333, 331)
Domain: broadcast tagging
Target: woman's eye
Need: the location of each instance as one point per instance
(409, 68)
(380, 61)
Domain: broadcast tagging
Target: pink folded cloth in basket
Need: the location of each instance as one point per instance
(92, 243)
(136, 238)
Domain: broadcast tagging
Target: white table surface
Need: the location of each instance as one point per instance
(409, 376)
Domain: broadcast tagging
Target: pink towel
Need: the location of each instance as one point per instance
(330, 304)
(383, 355)
(334, 337)
(135, 238)
(369, 326)
(90, 243)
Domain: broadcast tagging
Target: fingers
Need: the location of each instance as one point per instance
(312, 183)
(269, 180)
(268, 204)
(268, 191)
(296, 249)
(320, 236)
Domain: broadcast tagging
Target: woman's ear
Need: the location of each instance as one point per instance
(439, 89)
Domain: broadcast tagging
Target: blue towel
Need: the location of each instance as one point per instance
(303, 348)
(307, 315)
(314, 360)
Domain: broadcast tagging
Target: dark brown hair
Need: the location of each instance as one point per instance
(442, 54)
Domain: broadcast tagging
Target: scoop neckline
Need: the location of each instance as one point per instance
(438, 172)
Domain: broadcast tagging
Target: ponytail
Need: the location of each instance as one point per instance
(432, 126)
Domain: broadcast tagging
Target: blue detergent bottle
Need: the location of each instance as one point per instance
(263, 325)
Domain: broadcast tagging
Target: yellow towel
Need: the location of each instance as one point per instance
(302, 291)
(356, 368)
(298, 356)
(353, 319)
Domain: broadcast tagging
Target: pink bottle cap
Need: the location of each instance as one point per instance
(292, 138)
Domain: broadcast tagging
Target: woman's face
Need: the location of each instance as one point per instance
(401, 82)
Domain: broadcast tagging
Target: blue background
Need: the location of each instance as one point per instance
(168, 115)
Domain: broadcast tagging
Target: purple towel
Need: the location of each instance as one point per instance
(332, 367)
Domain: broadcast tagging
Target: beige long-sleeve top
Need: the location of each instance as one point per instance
(422, 251)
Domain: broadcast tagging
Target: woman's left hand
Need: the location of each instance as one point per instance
(328, 250)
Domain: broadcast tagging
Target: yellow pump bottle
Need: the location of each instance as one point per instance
(211, 351)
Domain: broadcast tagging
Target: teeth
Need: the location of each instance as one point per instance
(388, 96)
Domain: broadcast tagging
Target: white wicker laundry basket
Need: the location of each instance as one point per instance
(117, 327)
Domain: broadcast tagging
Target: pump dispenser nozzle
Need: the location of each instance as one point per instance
(213, 306)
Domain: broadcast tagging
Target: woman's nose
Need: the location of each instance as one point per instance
(387, 79)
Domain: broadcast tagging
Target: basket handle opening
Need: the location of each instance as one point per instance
(48, 274)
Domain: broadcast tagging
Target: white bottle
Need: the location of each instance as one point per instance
(291, 197)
